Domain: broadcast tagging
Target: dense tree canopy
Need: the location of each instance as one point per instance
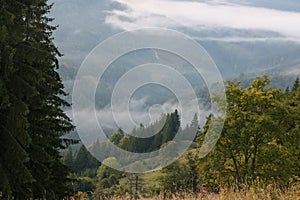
(260, 138)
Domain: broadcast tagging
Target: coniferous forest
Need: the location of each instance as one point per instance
(256, 157)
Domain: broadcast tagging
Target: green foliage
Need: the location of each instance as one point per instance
(82, 162)
(166, 128)
(108, 179)
(162, 130)
(68, 158)
(260, 141)
(80, 184)
(116, 137)
(260, 137)
(181, 176)
(85, 184)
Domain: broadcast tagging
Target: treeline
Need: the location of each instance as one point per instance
(148, 138)
(111, 182)
(151, 137)
(160, 132)
(83, 168)
(81, 162)
(31, 117)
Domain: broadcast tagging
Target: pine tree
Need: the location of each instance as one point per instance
(68, 158)
(84, 160)
(296, 85)
(194, 127)
(80, 159)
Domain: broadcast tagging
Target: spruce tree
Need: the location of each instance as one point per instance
(31, 105)
(14, 110)
(296, 85)
(84, 160)
(47, 120)
(68, 158)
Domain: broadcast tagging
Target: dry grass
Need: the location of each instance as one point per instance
(252, 193)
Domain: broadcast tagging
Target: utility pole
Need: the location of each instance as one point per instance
(136, 187)
(135, 184)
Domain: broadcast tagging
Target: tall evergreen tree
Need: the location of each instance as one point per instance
(296, 85)
(84, 160)
(31, 115)
(68, 158)
(80, 159)
(13, 108)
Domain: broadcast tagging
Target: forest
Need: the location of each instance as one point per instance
(258, 148)
(256, 157)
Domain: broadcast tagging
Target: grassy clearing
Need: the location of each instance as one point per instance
(264, 193)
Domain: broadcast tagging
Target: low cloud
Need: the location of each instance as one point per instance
(197, 15)
(248, 39)
(138, 113)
